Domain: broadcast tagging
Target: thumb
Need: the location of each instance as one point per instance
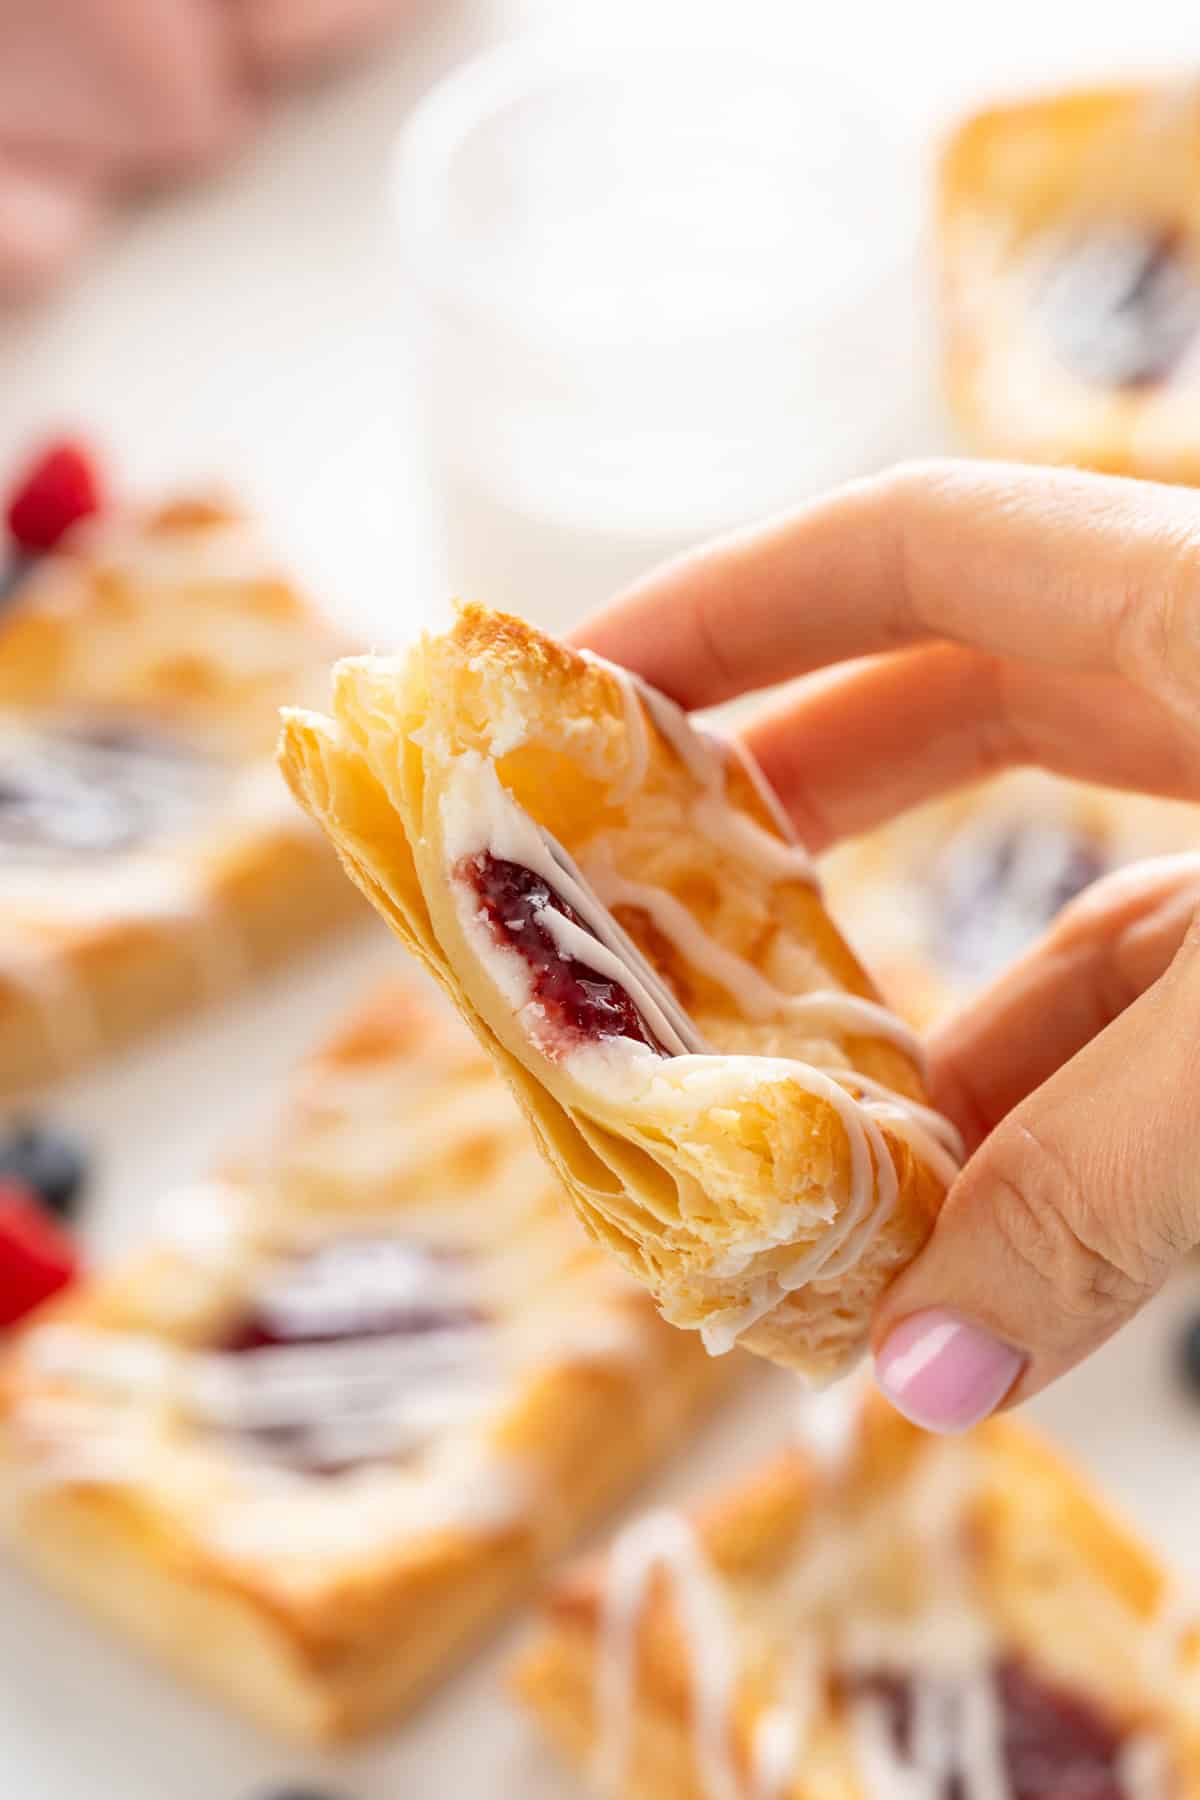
(1064, 1222)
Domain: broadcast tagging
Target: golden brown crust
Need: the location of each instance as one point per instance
(1068, 1591)
(325, 1646)
(1011, 179)
(176, 624)
(706, 1175)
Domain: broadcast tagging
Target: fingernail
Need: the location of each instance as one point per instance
(944, 1374)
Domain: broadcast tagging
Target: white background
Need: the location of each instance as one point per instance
(257, 330)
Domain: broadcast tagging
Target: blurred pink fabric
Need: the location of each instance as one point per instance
(99, 98)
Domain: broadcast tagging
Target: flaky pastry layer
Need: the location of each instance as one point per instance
(750, 1139)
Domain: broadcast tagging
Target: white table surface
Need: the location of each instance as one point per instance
(255, 329)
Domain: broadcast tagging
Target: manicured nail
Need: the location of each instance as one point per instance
(944, 1374)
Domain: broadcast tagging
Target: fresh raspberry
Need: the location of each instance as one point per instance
(37, 1257)
(59, 488)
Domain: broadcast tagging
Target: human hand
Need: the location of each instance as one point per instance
(1007, 616)
(100, 98)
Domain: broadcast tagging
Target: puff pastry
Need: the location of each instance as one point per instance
(1069, 240)
(896, 1618)
(946, 895)
(149, 854)
(328, 1424)
(617, 906)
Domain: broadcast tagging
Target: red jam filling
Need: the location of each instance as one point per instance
(1056, 1746)
(324, 1420)
(354, 1289)
(1122, 307)
(576, 1000)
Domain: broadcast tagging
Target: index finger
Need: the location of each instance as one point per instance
(1082, 571)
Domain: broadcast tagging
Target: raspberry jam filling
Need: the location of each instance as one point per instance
(96, 789)
(1053, 1744)
(994, 892)
(577, 1001)
(1122, 307)
(354, 1289)
(305, 1400)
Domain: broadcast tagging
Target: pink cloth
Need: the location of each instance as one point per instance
(99, 98)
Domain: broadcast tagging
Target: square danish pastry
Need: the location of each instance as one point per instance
(1069, 248)
(326, 1427)
(149, 854)
(945, 896)
(899, 1618)
(617, 905)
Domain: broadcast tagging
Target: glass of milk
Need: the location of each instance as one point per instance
(661, 293)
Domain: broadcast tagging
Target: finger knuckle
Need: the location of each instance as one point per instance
(1053, 1230)
(1157, 625)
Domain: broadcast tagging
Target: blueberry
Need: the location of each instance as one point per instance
(52, 1164)
(1189, 1354)
(299, 1793)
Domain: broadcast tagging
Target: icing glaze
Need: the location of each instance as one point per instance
(1120, 304)
(81, 789)
(665, 1542)
(102, 821)
(481, 819)
(933, 1710)
(363, 1374)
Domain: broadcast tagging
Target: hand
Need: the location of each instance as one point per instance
(1006, 616)
(99, 98)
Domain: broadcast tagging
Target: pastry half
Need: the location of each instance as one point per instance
(1069, 253)
(617, 906)
(149, 854)
(895, 1618)
(325, 1428)
(947, 895)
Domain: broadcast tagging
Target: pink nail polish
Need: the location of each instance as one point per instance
(943, 1373)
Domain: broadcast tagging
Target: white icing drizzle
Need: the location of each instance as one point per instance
(492, 821)
(1142, 1768)
(826, 1421)
(479, 814)
(944, 1654)
(704, 755)
(932, 1138)
(782, 1729)
(757, 997)
(665, 1541)
(955, 1732)
(258, 1420)
(874, 1190)
(104, 826)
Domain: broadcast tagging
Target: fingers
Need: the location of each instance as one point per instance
(1105, 949)
(1076, 571)
(47, 220)
(856, 745)
(286, 39)
(1062, 1224)
(145, 87)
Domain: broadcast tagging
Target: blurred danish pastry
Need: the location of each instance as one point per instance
(326, 1425)
(150, 857)
(1069, 232)
(896, 1616)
